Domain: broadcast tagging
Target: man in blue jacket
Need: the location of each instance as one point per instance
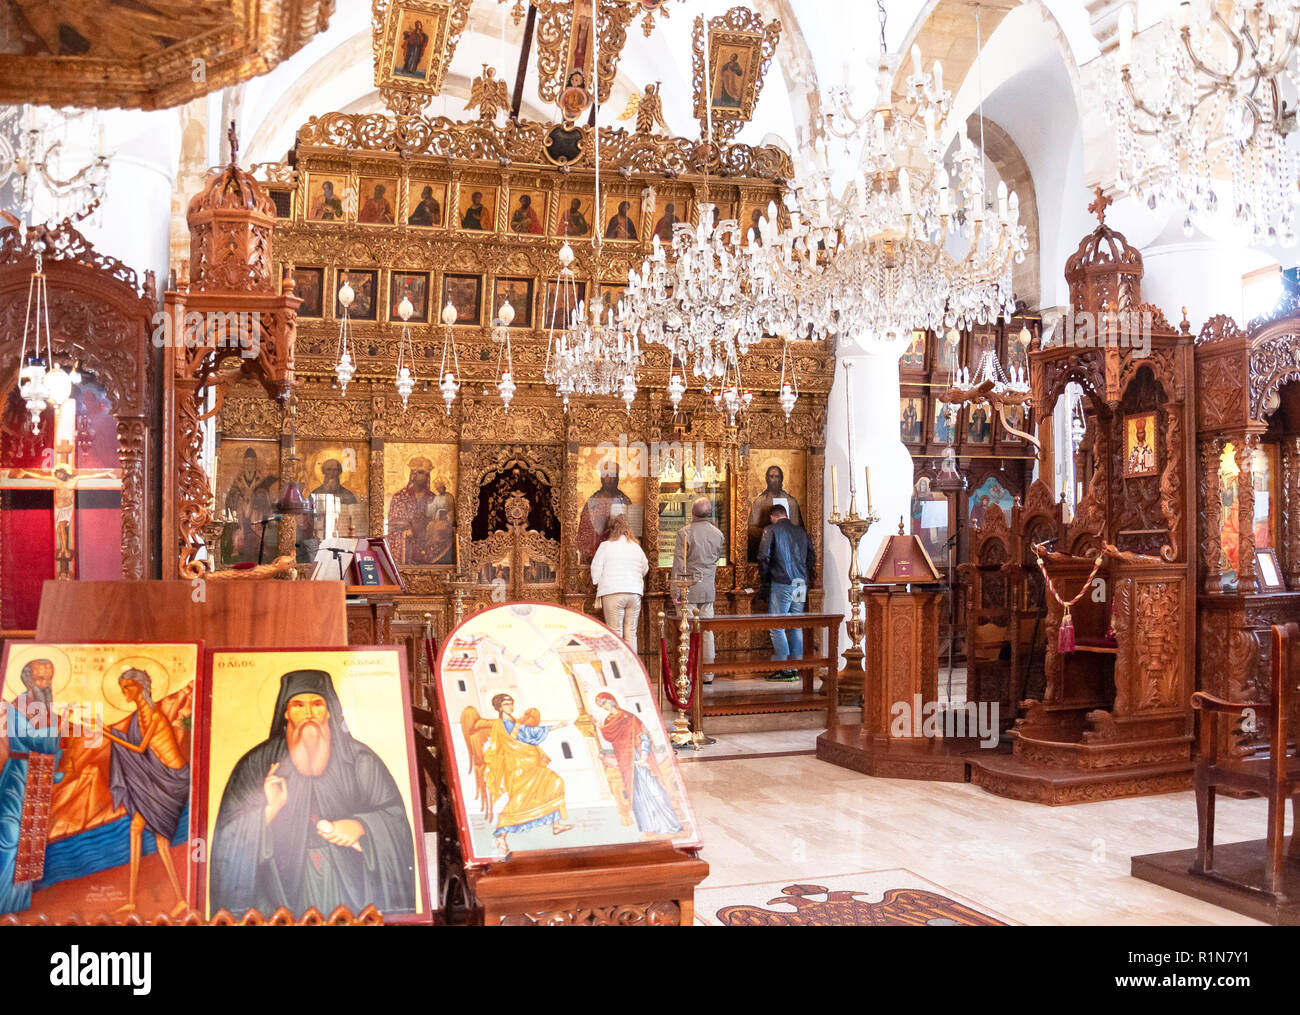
(785, 560)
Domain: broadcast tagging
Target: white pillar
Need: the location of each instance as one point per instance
(133, 223)
(877, 445)
(1203, 275)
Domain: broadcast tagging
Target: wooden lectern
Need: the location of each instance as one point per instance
(901, 593)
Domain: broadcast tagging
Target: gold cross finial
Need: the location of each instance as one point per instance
(1099, 206)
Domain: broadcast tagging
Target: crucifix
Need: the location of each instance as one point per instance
(65, 480)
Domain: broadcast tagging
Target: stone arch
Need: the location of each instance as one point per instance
(1002, 151)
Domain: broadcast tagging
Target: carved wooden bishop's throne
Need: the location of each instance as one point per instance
(1115, 717)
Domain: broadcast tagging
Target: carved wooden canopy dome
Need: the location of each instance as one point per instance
(230, 221)
(1104, 268)
(145, 54)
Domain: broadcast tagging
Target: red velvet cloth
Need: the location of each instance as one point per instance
(27, 553)
(99, 535)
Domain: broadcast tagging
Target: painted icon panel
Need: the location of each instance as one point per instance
(555, 737)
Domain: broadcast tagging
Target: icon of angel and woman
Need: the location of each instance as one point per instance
(507, 760)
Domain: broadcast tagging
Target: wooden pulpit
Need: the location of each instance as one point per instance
(901, 732)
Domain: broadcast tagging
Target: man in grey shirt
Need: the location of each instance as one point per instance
(699, 560)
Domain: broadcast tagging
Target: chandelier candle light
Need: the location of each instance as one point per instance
(449, 383)
(1207, 107)
(42, 381)
(405, 353)
(346, 365)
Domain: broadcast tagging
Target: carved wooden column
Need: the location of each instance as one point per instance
(133, 450)
(1246, 581)
(1291, 512)
(1212, 513)
(573, 592)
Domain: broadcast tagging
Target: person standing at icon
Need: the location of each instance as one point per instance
(696, 551)
(618, 571)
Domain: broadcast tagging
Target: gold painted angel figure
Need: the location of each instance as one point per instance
(488, 94)
(506, 760)
(648, 109)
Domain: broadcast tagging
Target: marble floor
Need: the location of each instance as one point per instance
(770, 811)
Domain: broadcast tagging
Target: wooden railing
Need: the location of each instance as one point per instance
(778, 699)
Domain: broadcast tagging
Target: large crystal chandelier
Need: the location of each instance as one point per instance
(1209, 106)
(713, 301)
(590, 350)
(911, 243)
(41, 166)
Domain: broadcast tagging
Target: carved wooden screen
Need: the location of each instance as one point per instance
(101, 316)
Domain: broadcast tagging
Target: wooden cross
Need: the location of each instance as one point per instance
(233, 135)
(1099, 206)
(63, 477)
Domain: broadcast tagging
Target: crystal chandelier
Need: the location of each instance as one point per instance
(911, 244)
(46, 179)
(42, 381)
(1003, 392)
(709, 306)
(405, 353)
(449, 383)
(346, 366)
(1208, 106)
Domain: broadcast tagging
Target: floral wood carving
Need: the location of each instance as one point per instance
(1158, 658)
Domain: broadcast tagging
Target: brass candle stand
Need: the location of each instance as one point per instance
(460, 587)
(852, 679)
(681, 734)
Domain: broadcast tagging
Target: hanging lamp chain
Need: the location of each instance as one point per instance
(880, 5)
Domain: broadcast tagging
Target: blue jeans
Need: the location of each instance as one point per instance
(784, 599)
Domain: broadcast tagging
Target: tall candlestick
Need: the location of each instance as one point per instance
(848, 395)
(867, 470)
(835, 490)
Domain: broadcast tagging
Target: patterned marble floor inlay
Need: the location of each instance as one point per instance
(886, 898)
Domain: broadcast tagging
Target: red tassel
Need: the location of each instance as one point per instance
(1065, 637)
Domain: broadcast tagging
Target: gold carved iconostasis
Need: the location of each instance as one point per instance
(471, 215)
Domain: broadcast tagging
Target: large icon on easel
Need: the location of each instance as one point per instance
(555, 736)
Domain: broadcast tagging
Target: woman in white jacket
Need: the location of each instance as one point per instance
(618, 571)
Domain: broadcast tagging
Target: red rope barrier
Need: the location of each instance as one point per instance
(1065, 637)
